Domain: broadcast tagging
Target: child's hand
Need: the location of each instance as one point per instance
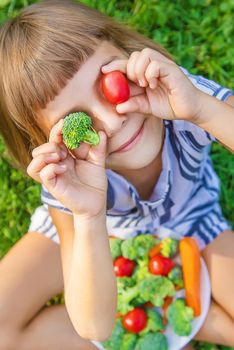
(167, 92)
(78, 179)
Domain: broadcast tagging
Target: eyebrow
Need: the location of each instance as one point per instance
(72, 110)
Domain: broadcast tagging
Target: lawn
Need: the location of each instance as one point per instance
(198, 33)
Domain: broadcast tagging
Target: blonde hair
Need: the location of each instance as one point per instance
(40, 49)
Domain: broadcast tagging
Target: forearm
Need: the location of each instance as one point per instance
(91, 292)
(217, 118)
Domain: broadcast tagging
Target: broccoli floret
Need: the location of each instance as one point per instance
(152, 341)
(154, 323)
(128, 249)
(125, 298)
(169, 247)
(129, 341)
(175, 275)
(127, 291)
(141, 271)
(77, 128)
(138, 301)
(180, 316)
(138, 247)
(116, 338)
(155, 289)
(115, 247)
(123, 283)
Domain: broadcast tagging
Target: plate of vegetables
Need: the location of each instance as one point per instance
(163, 292)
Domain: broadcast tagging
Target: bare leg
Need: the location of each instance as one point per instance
(51, 329)
(30, 275)
(218, 327)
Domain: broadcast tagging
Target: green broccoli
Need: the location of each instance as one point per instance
(77, 128)
(169, 247)
(129, 341)
(127, 291)
(115, 247)
(180, 316)
(152, 288)
(155, 289)
(152, 341)
(175, 275)
(125, 298)
(141, 270)
(138, 247)
(116, 338)
(123, 283)
(154, 323)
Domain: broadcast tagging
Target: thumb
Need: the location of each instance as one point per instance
(139, 103)
(97, 154)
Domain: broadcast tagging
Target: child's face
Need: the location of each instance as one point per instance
(83, 93)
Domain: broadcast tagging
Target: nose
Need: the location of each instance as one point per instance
(105, 117)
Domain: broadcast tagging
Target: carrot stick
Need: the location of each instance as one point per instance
(191, 267)
(155, 250)
(167, 303)
(148, 304)
(118, 315)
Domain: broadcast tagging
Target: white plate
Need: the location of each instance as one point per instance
(176, 342)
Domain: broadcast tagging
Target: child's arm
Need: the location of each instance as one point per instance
(80, 184)
(89, 281)
(169, 94)
(217, 118)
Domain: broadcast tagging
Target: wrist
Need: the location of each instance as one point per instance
(203, 102)
(89, 221)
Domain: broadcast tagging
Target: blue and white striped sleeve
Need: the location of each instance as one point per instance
(196, 135)
(209, 86)
(48, 199)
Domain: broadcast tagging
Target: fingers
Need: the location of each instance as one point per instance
(49, 147)
(41, 160)
(82, 151)
(49, 173)
(135, 104)
(97, 154)
(143, 67)
(56, 132)
(119, 65)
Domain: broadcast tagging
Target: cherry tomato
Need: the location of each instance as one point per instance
(115, 87)
(135, 321)
(123, 267)
(160, 265)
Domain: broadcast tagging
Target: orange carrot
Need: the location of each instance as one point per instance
(167, 303)
(155, 250)
(148, 304)
(118, 315)
(191, 267)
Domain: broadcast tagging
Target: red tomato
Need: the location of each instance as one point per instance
(135, 320)
(160, 265)
(115, 87)
(123, 267)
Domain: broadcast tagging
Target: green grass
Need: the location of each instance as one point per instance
(198, 33)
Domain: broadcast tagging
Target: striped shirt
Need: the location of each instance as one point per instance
(185, 199)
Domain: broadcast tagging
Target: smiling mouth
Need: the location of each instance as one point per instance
(130, 141)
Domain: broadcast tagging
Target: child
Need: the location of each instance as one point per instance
(164, 180)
